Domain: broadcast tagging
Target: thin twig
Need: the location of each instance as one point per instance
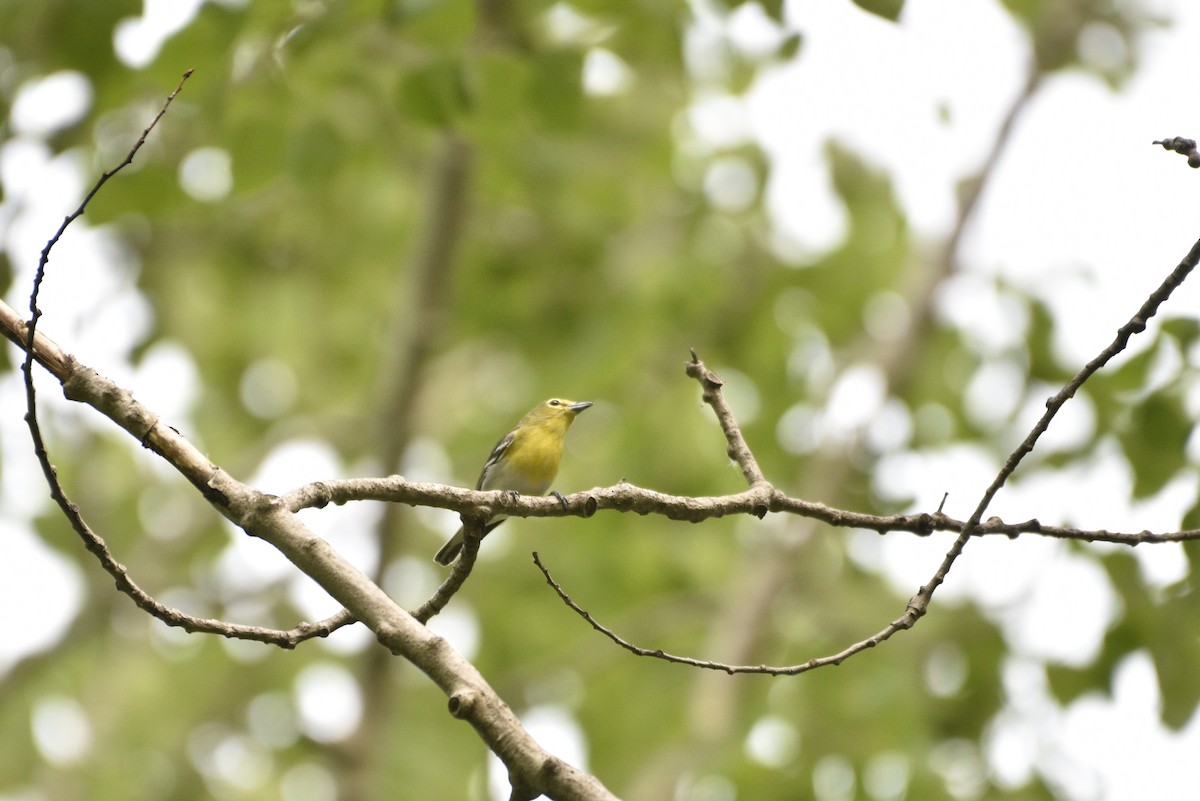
(1184, 147)
(47, 353)
(658, 653)
(1136, 324)
(70, 218)
(736, 446)
(472, 534)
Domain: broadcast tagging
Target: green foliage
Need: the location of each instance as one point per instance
(1154, 441)
(888, 9)
(1058, 31)
(587, 263)
(1149, 624)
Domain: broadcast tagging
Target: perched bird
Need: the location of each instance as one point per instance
(525, 461)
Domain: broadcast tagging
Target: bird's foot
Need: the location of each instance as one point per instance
(561, 499)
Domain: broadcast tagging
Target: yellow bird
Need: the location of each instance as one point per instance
(525, 461)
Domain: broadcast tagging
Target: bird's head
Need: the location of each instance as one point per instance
(557, 409)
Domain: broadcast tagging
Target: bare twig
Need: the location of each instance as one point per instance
(471, 698)
(472, 534)
(658, 653)
(63, 365)
(919, 603)
(1185, 147)
(70, 218)
(737, 449)
(742, 627)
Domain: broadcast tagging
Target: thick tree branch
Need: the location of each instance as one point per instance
(268, 518)
(423, 291)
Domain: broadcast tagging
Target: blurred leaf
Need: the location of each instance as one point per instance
(790, 47)
(1191, 522)
(314, 152)
(888, 9)
(1154, 441)
(1130, 375)
(774, 9)
(1176, 655)
(1191, 548)
(434, 94)
(1044, 362)
(556, 91)
(444, 25)
(1185, 330)
(872, 255)
(1146, 624)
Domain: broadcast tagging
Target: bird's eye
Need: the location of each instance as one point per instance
(555, 402)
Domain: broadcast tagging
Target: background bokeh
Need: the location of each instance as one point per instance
(367, 237)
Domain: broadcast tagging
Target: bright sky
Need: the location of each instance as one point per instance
(1082, 211)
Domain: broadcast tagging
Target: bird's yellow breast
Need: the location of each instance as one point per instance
(530, 463)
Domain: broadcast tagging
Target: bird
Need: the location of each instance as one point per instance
(525, 461)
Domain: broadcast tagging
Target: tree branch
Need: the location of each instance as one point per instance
(472, 535)
(626, 497)
(1184, 147)
(737, 449)
(266, 517)
(423, 291)
(918, 605)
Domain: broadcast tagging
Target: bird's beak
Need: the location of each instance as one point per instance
(579, 407)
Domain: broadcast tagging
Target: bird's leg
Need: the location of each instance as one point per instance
(561, 498)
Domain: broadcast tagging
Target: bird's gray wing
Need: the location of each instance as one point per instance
(496, 455)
